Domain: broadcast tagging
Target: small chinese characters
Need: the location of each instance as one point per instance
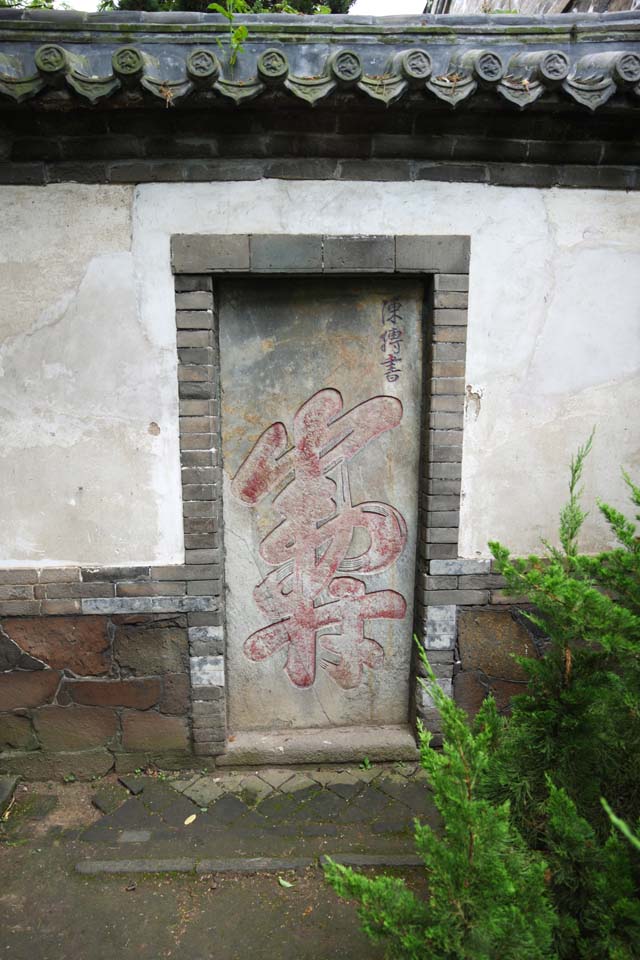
(391, 339)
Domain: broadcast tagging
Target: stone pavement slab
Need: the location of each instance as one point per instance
(258, 813)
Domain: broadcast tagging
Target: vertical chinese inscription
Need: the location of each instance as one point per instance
(391, 339)
(313, 612)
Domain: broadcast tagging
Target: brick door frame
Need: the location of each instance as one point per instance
(442, 262)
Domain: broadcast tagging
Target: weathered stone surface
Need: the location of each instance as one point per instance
(176, 695)
(163, 760)
(40, 765)
(338, 745)
(154, 732)
(74, 727)
(285, 344)
(7, 789)
(207, 671)
(148, 650)
(108, 798)
(16, 732)
(471, 687)
(468, 691)
(80, 644)
(12, 657)
(32, 689)
(139, 694)
(488, 641)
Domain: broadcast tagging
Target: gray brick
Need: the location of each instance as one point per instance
(450, 318)
(445, 471)
(197, 458)
(206, 672)
(199, 525)
(445, 454)
(207, 734)
(210, 749)
(204, 588)
(199, 491)
(60, 608)
(451, 386)
(211, 693)
(383, 170)
(210, 253)
(359, 254)
(183, 572)
(448, 334)
(167, 588)
(205, 390)
(441, 421)
(461, 597)
(438, 583)
(451, 281)
(209, 634)
(448, 254)
(201, 541)
(213, 618)
(458, 567)
(439, 551)
(196, 300)
(148, 605)
(447, 368)
(68, 591)
(492, 581)
(447, 404)
(442, 503)
(197, 475)
(206, 713)
(59, 574)
(442, 535)
(194, 319)
(198, 508)
(190, 282)
(449, 351)
(450, 438)
(300, 253)
(195, 424)
(197, 408)
(90, 574)
(441, 656)
(450, 301)
(196, 441)
(443, 487)
(443, 518)
(194, 339)
(19, 608)
(17, 591)
(196, 354)
(195, 372)
(18, 576)
(212, 558)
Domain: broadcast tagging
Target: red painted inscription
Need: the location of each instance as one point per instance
(307, 604)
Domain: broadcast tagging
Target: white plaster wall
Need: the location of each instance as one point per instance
(87, 350)
(89, 463)
(554, 332)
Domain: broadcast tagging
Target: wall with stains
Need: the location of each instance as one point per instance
(89, 461)
(88, 430)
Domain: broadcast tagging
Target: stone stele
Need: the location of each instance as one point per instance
(321, 407)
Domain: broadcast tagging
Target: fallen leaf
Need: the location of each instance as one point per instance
(284, 883)
(190, 819)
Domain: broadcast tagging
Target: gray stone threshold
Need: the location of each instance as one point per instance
(334, 745)
(246, 865)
